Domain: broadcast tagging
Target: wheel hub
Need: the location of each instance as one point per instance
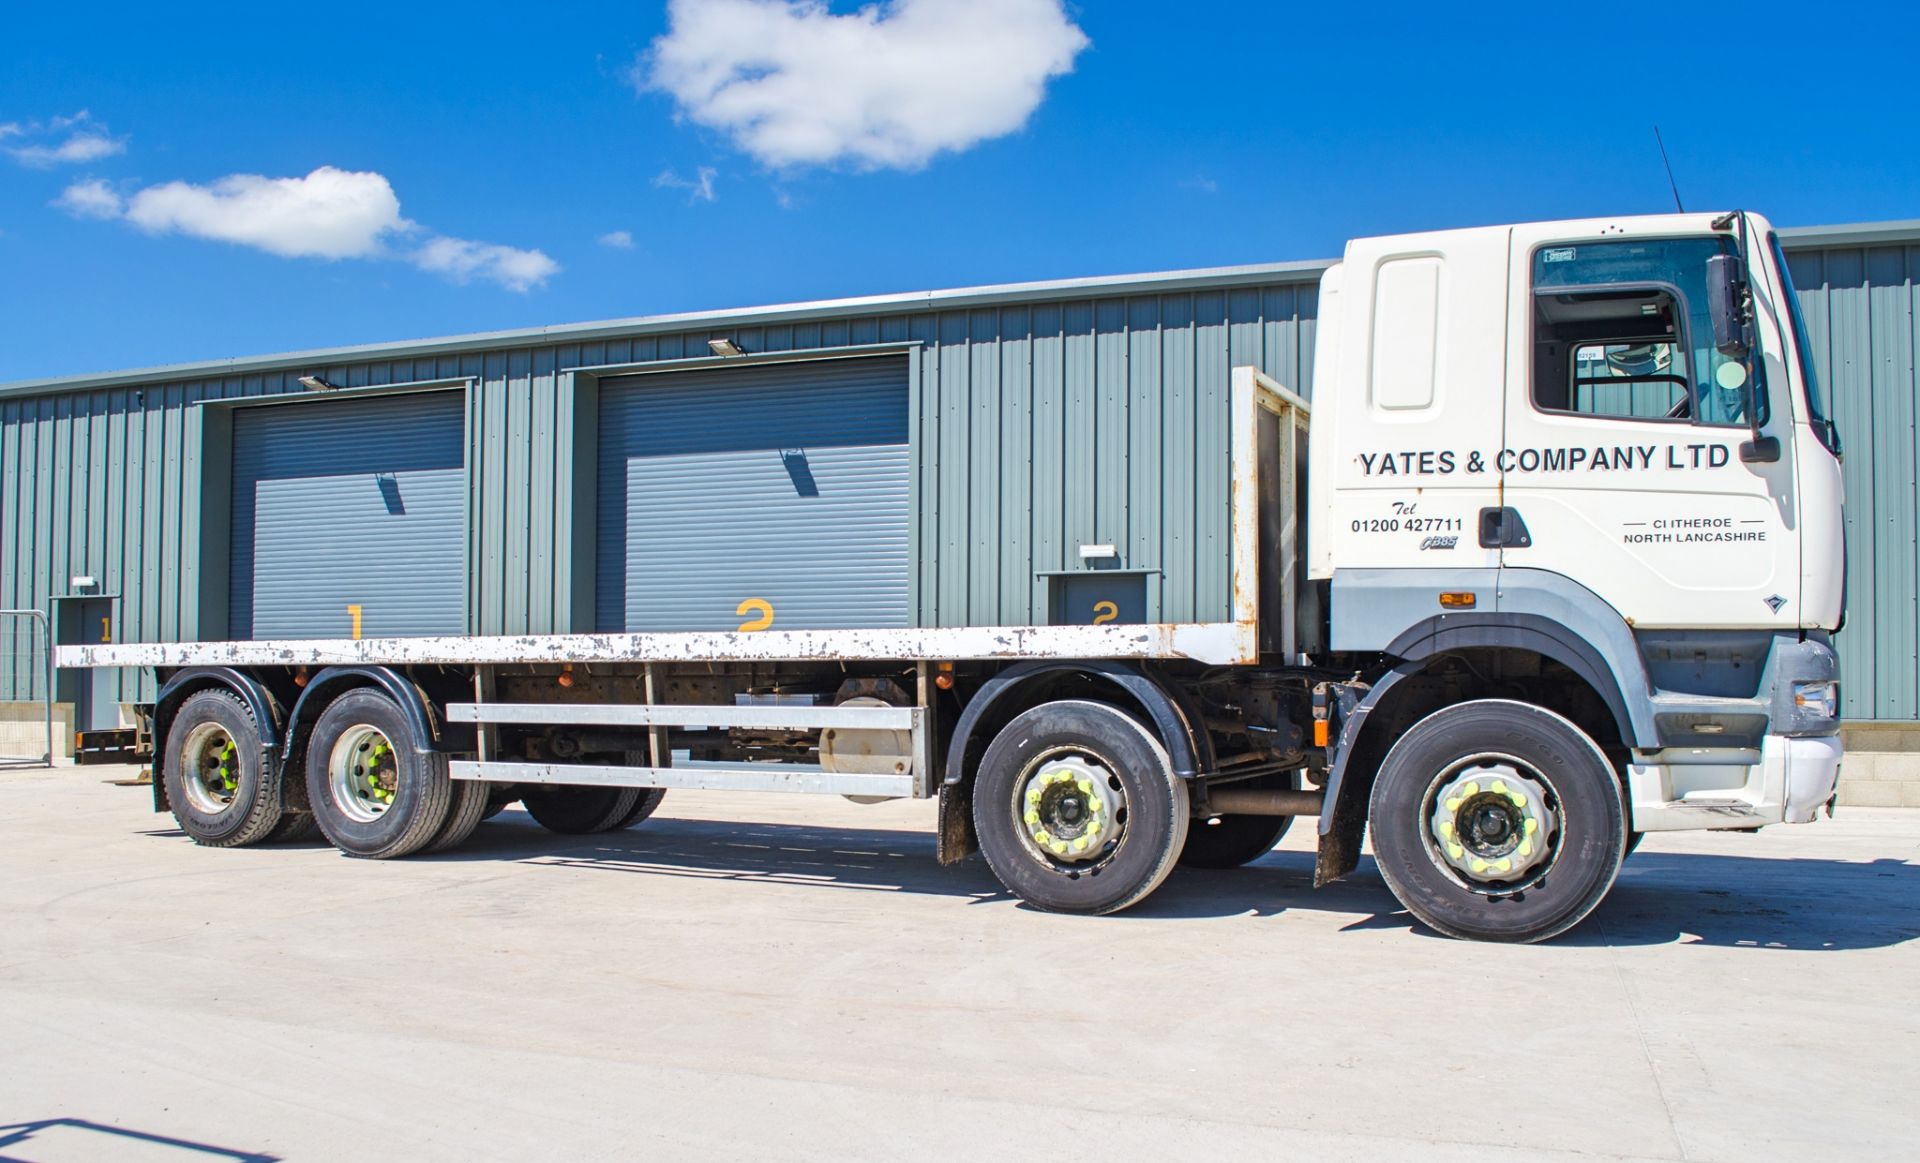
(1491, 823)
(213, 762)
(1070, 811)
(364, 773)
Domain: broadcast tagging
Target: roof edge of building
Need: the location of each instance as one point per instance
(1852, 233)
(318, 360)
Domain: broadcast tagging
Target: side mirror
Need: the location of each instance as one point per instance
(1726, 286)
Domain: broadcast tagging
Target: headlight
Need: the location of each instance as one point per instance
(1817, 699)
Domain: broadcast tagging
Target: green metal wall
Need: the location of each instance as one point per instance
(1864, 318)
(1043, 426)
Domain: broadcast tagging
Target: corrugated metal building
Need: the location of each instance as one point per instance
(520, 451)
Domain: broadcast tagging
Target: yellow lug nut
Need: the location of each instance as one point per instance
(1472, 788)
(1519, 801)
(1031, 817)
(1499, 787)
(1446, 827)
(1532, 825)
(1456, 851)
(1033, 795)
(1080, 845)
(1479, 865)
(1503, 865)
(1041, 837)
(1526, 848)
(1452, 805)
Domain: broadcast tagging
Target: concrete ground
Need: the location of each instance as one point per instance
(777, 977)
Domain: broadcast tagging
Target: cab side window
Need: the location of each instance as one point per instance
(1620, 331)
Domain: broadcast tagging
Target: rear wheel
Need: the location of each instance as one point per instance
(374, 792)
(1078, 809)
(294, 828)
(464, 813)
(643, 807)
(1497, 821)
(222, 785)
(578, 811)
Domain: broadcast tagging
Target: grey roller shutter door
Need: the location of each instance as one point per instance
(786, 483)
(349, 503)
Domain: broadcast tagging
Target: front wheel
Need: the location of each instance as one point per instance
(1497, 820)
(1078, 809)
(1231, 841)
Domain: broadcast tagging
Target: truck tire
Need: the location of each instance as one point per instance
(579, 811)
(1497, 820)
(1231, 841)
(223, 786)
(294, 828)
(1078, 809)
(464, 813)
(643, 807)
(374, 794)
(498, 802)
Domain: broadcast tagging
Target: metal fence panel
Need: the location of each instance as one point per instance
(26, 674)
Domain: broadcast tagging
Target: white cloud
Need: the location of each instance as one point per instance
(328, 214)
(1202, 183)
(86, 140)
(890, 85)
(699, 188)
(461, 260)
(91, 198)
(617, 239)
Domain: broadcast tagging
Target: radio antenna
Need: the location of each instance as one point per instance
(1663, 161)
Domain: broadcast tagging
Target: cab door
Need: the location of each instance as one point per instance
(1621, 466)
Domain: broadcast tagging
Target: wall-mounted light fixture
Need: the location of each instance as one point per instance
(726, 347)
(316, 384)
(82, 582)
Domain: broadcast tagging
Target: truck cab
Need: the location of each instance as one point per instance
(1594, 453)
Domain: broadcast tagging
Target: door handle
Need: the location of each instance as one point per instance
(1503, 528)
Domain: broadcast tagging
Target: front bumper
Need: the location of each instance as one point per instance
(1785, 781)
(1813, 772)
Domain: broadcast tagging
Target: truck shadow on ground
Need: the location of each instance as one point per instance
(1661, 898)
(92, 1139)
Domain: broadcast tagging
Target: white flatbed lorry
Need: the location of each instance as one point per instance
(1558, 566)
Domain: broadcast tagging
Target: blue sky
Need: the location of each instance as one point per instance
(474, 160)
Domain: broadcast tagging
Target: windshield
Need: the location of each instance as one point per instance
(1803, 349)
